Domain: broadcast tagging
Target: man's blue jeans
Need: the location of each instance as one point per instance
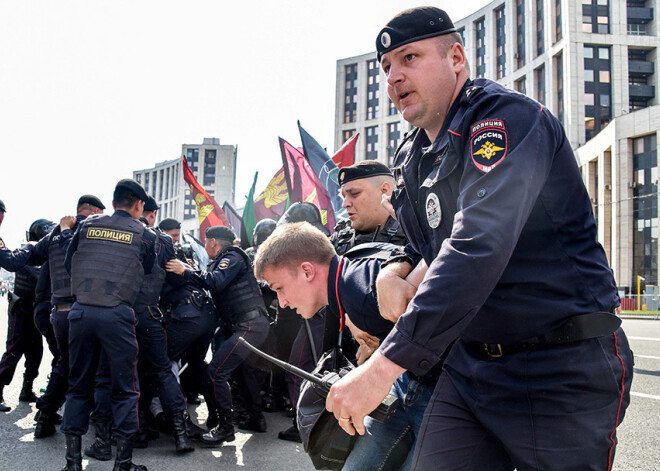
(390, 445)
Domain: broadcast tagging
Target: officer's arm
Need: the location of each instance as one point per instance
(231, 265)
(14, 260)
(166, 254)
(493, 208)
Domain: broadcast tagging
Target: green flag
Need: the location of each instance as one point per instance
(248, 213)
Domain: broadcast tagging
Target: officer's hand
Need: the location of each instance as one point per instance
(358, 393)
(175, 266)
(394, 292)
(386, 202)
(67, 222)
(363, 354)
(368, 343)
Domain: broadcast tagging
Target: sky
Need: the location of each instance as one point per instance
(91, 90)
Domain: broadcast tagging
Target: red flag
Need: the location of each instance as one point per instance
(209, 212)
(271, 203)
(345, 156)
(304, 184)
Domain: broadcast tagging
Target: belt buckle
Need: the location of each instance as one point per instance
(493, 350)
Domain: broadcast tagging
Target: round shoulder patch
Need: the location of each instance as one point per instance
(433, 210)
(488, 144)
(224, 263)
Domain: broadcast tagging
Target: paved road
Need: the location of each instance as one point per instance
(639, 435)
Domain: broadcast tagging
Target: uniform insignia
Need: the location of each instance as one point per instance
(224, 263)
(488, 144)
(386, 40)
(110, 235)
(433, 210)
(2, 244)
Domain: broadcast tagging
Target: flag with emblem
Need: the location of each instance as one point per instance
(208, 211)
(273, 201)
(304, 185)
(345, 156)
(326, 170)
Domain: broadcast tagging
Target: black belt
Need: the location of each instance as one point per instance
(248, 316)
(580, 327)
(196, 298)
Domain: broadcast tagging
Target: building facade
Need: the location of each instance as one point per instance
(593, 63)
(214, 166)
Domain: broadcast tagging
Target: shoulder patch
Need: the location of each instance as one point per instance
(488, 144)
(224, 263)
(2, 244)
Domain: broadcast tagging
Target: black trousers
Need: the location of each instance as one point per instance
(23, 338)
(55, 393)
(42, 322)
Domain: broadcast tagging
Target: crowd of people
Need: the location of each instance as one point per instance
(469, 278)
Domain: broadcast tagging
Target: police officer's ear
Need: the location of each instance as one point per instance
(385, 188)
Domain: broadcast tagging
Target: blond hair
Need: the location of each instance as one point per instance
(292, 244)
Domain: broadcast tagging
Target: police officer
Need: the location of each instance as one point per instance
(23, 338)
(363, 185)
(108, 258)
(238, 299)
(261, 231)
(52, 249)
(490, 196)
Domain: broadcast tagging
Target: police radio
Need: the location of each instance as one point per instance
(323, 383)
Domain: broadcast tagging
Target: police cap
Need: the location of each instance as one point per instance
(169, 224)
(413, 25)
(132, 186)
(363, 169)
(150, 204)
(221, 233)
(2, 207)
(90, 199)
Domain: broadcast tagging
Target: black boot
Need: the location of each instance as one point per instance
(292, 434)
(45, 424)
(181, 440)
(27, 395)
(100, 449)
(223, 432)
(123, 462)
(255, 422)
(73, 456)
(144, 434)
(3, 407)
(192, 430)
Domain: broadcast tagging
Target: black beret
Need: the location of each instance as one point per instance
(150, 204)
(2, 207)
(90, 199)
(413, 25)
(169, 224)
(134, 187)
(363, 169)
(220, 232)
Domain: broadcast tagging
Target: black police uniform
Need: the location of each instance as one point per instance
(239, 303)
(42, 309)
(497, 208)
(345, 237)
(108, 257)
(23, 338)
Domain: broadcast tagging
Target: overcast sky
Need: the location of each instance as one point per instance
(91, 90)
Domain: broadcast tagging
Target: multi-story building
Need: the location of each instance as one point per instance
(214, 166)
(593, 63)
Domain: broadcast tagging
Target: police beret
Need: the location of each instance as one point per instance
(413, 25)
(169, 224)
(150, 204)
(90, 199)
(2, 207)
(134, 187)
(220, 232)
(363, 169)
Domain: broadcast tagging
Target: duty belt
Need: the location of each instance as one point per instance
(62, 307)
(580, 327)
(248, 316)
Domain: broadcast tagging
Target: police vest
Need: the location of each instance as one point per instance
(24, 284)
(60, 280)
(151, 283)
(242, 295)
(106, 269)
(347, 237)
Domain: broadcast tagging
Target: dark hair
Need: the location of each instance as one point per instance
(124, 198)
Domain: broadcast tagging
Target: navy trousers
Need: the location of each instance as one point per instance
(554, 408)
(23, 338)
(54, 397)
(94, 330)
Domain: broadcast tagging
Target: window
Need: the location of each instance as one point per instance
(597, 89)
(350, 94)
(558, 33)
(645, 208)
(500, 22)
(480, 36)
(372, 143)
(393, 138)
(540, 45)
(559, 86)
(595, 16)
(347, 134)
(209, 166)
(373, 89)
(539, 77)
(520, 85)
(520, 33)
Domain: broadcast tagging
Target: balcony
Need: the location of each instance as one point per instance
(644, 92)
(640, 68)
(638, 15)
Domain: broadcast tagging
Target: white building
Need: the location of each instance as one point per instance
(214, 166)
(593, 63)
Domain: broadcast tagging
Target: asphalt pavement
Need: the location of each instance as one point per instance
(638, 449)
